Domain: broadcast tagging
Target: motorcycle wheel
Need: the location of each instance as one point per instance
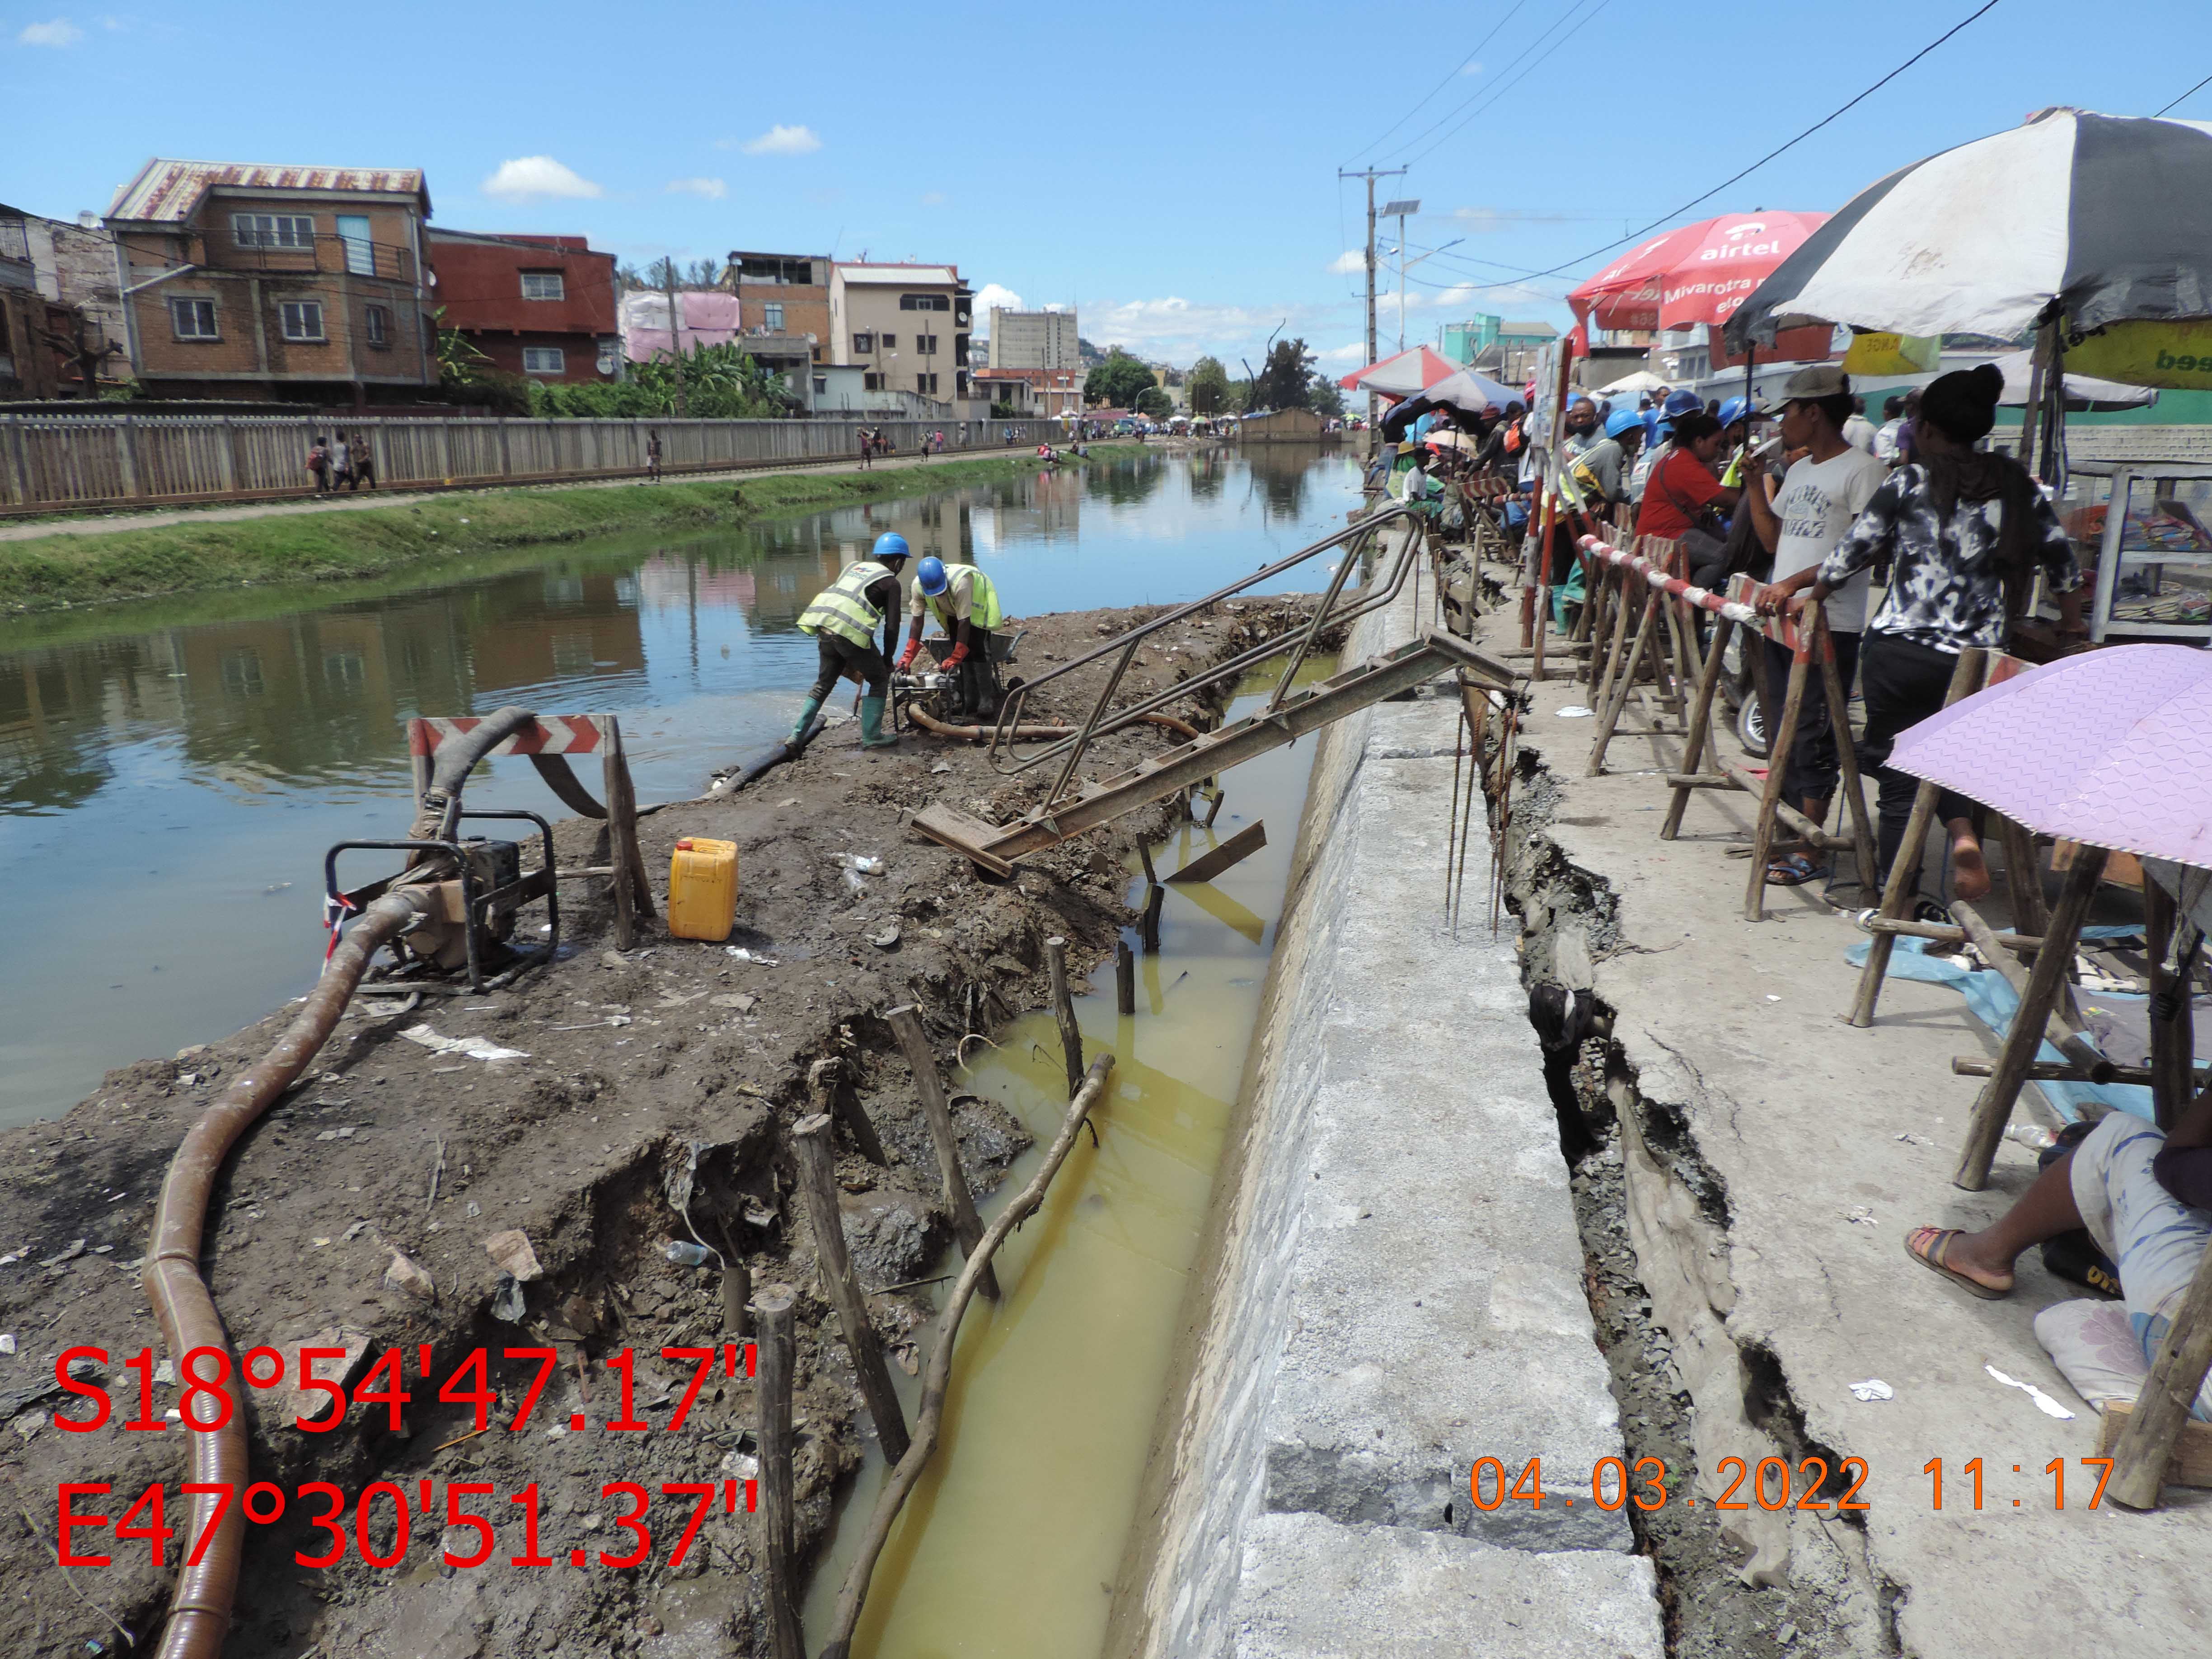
(1750, 726)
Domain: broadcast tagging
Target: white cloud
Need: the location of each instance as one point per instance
(713, 189)
(1354, 353)
(992, 295)
(1350, 262)
(1472, 69)
(1484, 220)
(59, 32)
(1176, 330)
(783, 141)
(932, 199)
(528, 177)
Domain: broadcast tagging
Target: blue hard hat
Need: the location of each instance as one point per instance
(929, 574)
(1621, 420)
(891, 546)
(1681, 403)
(1739, 409)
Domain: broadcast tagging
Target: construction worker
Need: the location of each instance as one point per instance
(966, 604)
(843, 619)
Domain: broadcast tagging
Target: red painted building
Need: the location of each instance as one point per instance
(542, 307)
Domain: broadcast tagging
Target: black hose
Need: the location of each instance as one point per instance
(439, 812)
(776, 755)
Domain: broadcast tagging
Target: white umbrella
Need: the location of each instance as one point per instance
(1469, 390)
(1643, 380)
(2019, 366)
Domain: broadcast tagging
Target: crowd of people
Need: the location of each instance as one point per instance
(342, 461)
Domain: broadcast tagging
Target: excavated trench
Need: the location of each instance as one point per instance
(1654, 1218)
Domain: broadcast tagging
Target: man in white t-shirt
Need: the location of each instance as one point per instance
(1858, 431)
(1824, 491)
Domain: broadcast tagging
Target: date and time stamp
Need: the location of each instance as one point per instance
(1775, 1484)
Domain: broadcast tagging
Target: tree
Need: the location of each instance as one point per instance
(1325, 398)
(1283, 379)
(1119, 381)
(1155, 402)
(1209, 386)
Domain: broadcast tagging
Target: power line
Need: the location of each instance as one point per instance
(1447, 80)
(1583, 259)
(2192, 92)
(1483, 98)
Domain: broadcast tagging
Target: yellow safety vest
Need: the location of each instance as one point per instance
(983, 598)
(844, 608)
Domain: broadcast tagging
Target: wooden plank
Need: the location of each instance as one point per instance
(1238, 847)
(963, 835)
(2190, 1463)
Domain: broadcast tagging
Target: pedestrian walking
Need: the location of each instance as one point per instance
(364, 461)
(341, 463)
(652, 455)
(318, 464)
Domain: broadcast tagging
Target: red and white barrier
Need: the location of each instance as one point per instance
(550, 734)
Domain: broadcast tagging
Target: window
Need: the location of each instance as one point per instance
(543, 285)
(542, 360)
(890, 341)
(926, 383)
(773, 316)
(360, 252)
(302, 319)
(379, 328)
(273, 230)
(872, 382)
(822, 382)
(864, 342)
(924, 302)
(193, 320)
(926, 344)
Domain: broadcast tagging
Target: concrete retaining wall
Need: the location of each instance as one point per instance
(1393, 1287)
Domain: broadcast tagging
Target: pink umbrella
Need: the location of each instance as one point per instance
(1697, 273)
(1410, 371)
(2111, 747)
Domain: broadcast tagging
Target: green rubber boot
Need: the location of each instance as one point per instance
(872, 735)
(806, 719)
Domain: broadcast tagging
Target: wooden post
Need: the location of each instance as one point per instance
(736, 1291)
(2172, 1025)
(818, 1180)
(1904, 874)
(905, 1021)
(1125, 979)
(1063, 1011)
(1150, 927)
(631, 892)
(1614, 705)
(1993, 1107)
(1778, 744)
(833, 1094)
(777, 1360)
(2161, 1410)
(1698, 737)
(1847, 757)
(2058, 1030)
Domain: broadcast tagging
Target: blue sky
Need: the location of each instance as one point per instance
(1169, 170)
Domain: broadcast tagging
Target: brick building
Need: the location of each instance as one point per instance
(242, 280)
(537, 306)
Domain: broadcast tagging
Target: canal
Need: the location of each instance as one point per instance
(171, 772)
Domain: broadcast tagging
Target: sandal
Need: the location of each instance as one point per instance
(1793, 869)
(1937, 1240)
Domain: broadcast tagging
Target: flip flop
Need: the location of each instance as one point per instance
(1937, 1239)
(1793, 869)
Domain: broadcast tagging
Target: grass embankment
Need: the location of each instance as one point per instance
(124, 564)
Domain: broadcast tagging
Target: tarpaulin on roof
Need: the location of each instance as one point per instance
(709, 319)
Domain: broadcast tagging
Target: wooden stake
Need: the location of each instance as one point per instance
(927, 1421)
(1847, 757)
(1778, 744)
(1235, 850)
(1993, 1107)
(1063, 1011)
(777, 1359)
(1150, 927)
(1697, 739)
(2161, 1410)
(2172, 1022)
(1125, 979)
(966, 1227)
(1617, 704)
(2055, 1032)
(833, 1093)
(1904, 874)
(818, 1180)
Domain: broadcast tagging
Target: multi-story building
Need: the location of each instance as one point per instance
(783, 294)
(240, 280)
(906, 324)
(537, 306)
(1044, 393)
(1033, 339)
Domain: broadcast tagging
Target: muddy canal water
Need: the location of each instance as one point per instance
(171, 773)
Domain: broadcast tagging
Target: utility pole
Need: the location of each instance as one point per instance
(1370, 174)
(675, 335)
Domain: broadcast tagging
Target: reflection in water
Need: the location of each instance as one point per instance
(185, 773)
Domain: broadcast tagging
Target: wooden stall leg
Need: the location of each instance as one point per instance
(1697, 739)
(818, 1180)
(2173, 1021)
(1617, 633)
(959, 1203)
(1778, 743)
(777, 1359)
(2161, 1410)
(1623, 688)
(1993, 1108)
(1839, 722)
(1904, 874)
(632, 893)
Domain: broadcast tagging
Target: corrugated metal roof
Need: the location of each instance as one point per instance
(168, 190)
(947, 275)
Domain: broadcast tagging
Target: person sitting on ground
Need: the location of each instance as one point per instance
(2145, 1198)
(1959, 532)
(1822, 496)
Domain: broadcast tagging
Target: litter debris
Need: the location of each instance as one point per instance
(865, 865)
(885, 939)
(1913, 1139)
(942, 766)
(2043, 1402)
(2034, 1136)
(508, 1305)
(410, 1276)
(69, 1255)
(1862, 1215)
(1873, 1388)
(1574, 711)
(511, 1249)
(7, 1343)
(753, 957)
(475, 1048)
(685, 1254)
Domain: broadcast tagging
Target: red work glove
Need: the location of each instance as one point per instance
(906, 658)
(957, 655)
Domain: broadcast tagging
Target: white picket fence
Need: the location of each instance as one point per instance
(51, 462)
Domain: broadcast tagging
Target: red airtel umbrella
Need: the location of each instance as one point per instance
(1697, 273)
(1414, 369)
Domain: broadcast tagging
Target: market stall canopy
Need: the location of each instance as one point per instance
(2095, 213)
(1629, 386)
(1400, 376)
(2111, 747)
(2084, 391)
(1697, 273)
(1471, 392)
